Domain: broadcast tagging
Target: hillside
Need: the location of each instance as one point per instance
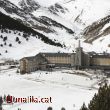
(63, 22)
(16, 36)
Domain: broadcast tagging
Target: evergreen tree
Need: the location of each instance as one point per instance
(27, 39)
(4, 98)
(1, 102)
(63, 108)
(5, 43)
(25, 35)
(2, 31)
(19, 34)
(10, 45)
(5, 38)
(1, 45)
(6, 51)
(9, 31)
(17, 71)
(1, 36)
(49, 108)
(84, 107)
(17, 39)
(1, 108)
(101, 100)
(19, 42)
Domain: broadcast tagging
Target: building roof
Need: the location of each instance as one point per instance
(92, 53)
(56, 54)
(43, 55)
(101, 56)
(28, 58)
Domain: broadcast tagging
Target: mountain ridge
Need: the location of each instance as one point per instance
(64, 21)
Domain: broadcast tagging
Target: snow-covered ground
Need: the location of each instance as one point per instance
(66, 89)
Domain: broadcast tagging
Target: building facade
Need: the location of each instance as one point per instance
(45, 61)
(78, 60)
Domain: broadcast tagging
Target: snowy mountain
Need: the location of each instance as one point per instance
(97, 29)
(28, 27)
(21, 38)
(64, 21)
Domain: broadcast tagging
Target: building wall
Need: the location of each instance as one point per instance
(23, 65)
(81, 58)
(78, 59)
(27, 66)
(72, 59)
(30, 65)
(100, 61)
(85, 59)
(59, 60)
(78, 56)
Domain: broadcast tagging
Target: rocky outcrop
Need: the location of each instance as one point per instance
(29, 5)
(97, 30)
(55, 9)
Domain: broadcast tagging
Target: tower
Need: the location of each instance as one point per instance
(78, 56)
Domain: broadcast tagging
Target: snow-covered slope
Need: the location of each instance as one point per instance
(96, 9)
(87, 11)
(41, 2)
(83, 12)
(26, 48)
(18, 40)
(62, 20)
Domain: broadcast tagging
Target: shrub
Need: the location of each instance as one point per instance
(63, 108)
(6, 51)
(19, 42)
(17, 39)
(5, 43)
(5, 38)
(10, 45)
(1, 45)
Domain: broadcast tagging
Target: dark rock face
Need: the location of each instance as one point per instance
(25, 21)
(9, 7)
(29, 6)
(42, 23)
(7, 22)
(94, 31)
(57, 8)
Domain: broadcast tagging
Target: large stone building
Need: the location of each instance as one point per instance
(45, 61)
(78, 60)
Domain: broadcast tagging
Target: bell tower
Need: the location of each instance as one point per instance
(78, 56)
